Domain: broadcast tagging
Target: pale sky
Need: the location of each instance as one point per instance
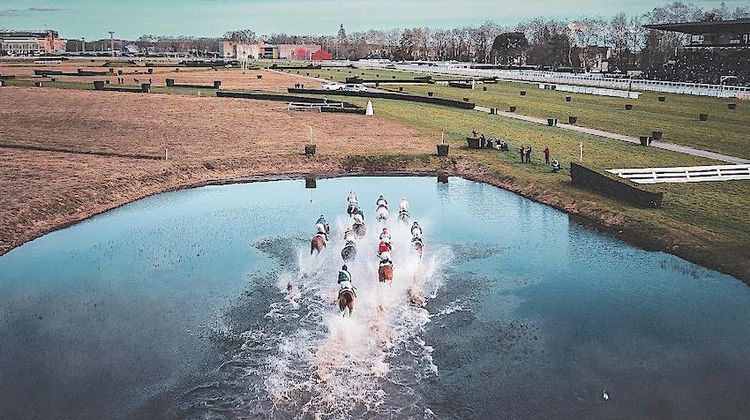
(130, 19)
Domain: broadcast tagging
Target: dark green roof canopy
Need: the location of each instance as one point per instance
(739, 26)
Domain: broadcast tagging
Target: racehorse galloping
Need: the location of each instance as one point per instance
(418, 246)
(346, 301)
(353, 206)
(317, 243)
(359, 227)
(347, 294)
(403, 212)
(385, 268)
(381, 214)
(349, 252)
(416, 238)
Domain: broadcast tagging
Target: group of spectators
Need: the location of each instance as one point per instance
(705, 66)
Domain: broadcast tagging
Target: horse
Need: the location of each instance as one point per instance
(418, 246)
(403, 216)
(317, 243)
(382, 213)
(349, 252)
(385, 272)
(346, 300)
(359, 229)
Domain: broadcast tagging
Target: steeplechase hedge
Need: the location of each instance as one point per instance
(614, 186)
(387, 95)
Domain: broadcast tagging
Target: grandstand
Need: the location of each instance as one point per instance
(717, 52)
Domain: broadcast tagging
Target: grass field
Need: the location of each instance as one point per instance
(709, 220)
(726, 131)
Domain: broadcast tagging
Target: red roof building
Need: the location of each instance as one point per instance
(321, 55)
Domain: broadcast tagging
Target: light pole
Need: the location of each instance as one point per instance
(83, 45)
(112, 42)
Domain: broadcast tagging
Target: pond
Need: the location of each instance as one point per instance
(205, 303)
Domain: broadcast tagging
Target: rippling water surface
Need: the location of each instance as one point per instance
(206, 304)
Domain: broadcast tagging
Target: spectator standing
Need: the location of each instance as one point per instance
(546, 155)
(522, 152)
(528, 154)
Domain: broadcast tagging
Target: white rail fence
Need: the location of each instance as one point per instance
(591, 90)
(585, 79)
(684, 174)
(312, 106)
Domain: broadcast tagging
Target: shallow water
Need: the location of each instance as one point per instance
(180, 306)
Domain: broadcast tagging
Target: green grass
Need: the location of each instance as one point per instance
(710, 215)
(726, 131)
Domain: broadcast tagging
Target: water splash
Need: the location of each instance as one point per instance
(369, 363)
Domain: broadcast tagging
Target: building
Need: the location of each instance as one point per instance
(31, 42)
(321, 55)
(716, 53)
(711, 33)
(261, 50)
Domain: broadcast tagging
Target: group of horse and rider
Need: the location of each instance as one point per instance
(347, 292)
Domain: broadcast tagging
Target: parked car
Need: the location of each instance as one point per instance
(333, 86)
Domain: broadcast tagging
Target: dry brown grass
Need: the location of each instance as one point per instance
(207, 138)
(230, 78)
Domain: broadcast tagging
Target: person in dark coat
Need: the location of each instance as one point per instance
(528, 154)
(546, 155)
(522, 152)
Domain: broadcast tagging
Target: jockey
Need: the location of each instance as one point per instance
(385, 235)
(384, 248)
(344, 275)
(382, 202)
(345, 281)
(416, 231)
(349, 236)
(322, 231)
(322, 221)
(404, 204)
(352, 198)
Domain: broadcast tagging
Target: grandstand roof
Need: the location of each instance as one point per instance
(738, 26)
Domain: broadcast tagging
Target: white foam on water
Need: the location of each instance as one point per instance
(333, 366)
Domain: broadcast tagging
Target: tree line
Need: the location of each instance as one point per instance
(539, 41)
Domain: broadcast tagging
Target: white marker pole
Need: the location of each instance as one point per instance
(166, 154)
(581, 147)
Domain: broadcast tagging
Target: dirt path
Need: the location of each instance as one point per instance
(621, 137)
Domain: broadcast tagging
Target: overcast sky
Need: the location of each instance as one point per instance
(132, 18)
